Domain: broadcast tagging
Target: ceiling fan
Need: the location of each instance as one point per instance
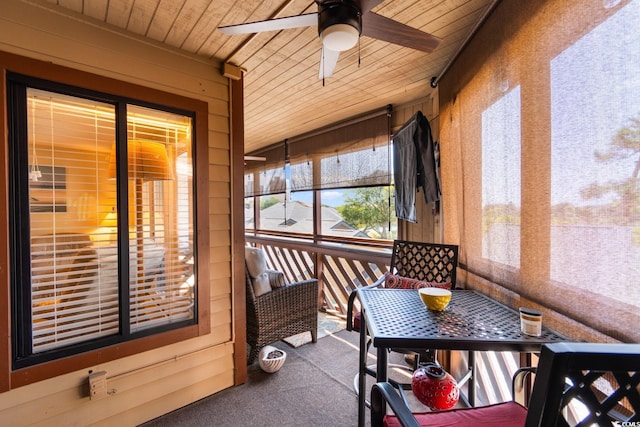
(340, 24)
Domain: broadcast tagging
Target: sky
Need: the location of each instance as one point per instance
(329, 197)
(595, 89)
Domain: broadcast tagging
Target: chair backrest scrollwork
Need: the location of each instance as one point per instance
(586, 384)
(431, 262)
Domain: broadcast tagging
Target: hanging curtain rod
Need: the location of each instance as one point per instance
(436, 79)
(387, 111)
(342, 124)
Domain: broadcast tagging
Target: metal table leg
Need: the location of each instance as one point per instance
(362, 372)
(472, 380)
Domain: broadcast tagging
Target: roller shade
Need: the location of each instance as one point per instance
(263, 177)
(350, 154)
(540, 117)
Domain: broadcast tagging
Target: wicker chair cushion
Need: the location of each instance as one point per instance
(276, 279)
(261, 284)
(394, 281)
(256, 261)
(257, 267)
(263, 280)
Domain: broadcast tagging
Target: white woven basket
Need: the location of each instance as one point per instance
(274, 364)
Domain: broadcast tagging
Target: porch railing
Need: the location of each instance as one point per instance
(342, 267)
(339, 268)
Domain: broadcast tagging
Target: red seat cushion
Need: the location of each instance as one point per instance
(356, 321)
(498, 415)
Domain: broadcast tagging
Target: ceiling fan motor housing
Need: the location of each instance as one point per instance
(333, 17)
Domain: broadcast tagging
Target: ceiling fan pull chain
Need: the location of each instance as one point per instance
(322, 62)
(358, 52)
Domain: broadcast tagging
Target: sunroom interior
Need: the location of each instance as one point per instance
(144, 149)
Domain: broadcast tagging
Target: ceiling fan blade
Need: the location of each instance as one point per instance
(255, 158)
(367, 5)
(306, 20)
(328, 62)
(388, 30)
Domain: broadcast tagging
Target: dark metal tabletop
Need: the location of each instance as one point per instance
(397, 318)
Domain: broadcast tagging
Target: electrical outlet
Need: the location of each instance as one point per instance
(98, 385)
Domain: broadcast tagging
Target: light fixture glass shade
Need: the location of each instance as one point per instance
(148, 161)
(339, 37)
(110, 220)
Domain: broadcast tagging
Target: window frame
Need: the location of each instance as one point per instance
(11, 377)
(352, 137)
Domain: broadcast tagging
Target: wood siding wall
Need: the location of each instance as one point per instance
(149, 384)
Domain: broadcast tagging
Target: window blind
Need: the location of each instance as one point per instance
(263, 177)
(77, 264)
(160, 248)
(353, 153)
(74, 294)
(350, 154)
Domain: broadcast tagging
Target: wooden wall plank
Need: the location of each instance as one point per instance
(427, 227)
(174, 400)
(60, 408)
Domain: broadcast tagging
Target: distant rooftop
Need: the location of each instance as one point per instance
(299, 219)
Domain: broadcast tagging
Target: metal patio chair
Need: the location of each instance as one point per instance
(413, 265)
(577, 384)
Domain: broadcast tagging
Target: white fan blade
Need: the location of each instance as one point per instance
(308, 20)
(328, 62)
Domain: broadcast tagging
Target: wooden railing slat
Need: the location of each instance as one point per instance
(339, 271)
(331, 283)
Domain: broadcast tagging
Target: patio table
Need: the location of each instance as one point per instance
(397, 318)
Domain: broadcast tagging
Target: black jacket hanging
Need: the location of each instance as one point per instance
(414, 166)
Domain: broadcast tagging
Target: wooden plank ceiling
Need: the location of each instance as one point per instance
(283, 95)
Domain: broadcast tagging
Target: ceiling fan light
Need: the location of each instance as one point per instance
(340, 37)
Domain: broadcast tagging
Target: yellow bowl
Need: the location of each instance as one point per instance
(436, 299)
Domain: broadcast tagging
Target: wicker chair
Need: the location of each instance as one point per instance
(280, 313)
(602, 378)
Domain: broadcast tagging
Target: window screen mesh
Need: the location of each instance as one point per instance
(354, 155)
(540, 125)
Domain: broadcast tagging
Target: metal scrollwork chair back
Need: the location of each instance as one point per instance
(576, 384)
